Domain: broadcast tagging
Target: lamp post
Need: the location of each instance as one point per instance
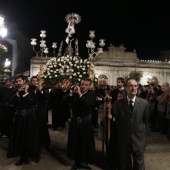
(3, 48)
(3, 29)
(91, 46)
(7, 64)
(7, 68)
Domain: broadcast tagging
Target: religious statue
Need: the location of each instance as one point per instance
(69, 44)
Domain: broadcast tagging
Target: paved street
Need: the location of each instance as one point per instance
(157, 155)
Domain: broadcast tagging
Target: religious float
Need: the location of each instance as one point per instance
(67, 68)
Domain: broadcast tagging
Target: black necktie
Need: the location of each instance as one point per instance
(130, 105)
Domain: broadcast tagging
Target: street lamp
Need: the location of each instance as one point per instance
(3, 48)
(91, 46)
(7, 64)
(7, 70)
(3, 29)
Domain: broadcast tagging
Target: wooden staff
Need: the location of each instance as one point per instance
(108, 120)
(103, 135)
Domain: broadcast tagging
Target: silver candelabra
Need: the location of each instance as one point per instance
(43, 49)
(91, 46)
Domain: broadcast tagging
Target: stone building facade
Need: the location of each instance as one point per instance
(116, 62)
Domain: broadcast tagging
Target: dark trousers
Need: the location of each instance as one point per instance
(161, 124)
(138, 161)
(168, 124)
(95, 117)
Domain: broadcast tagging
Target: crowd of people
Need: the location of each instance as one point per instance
(132, 107)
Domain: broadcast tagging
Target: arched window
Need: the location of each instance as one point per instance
(102, 80)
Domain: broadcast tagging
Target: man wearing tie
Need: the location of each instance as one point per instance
(131, 117)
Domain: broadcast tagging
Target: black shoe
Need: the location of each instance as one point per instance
(163, 133)
(47, 147)
(37, 159)
(154, 130)
(19, 162)
(96, 126)
(26, 161)
(76, 166)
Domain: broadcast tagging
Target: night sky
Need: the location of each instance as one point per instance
(137, 24)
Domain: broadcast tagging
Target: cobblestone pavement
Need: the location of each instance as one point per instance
(157, 156)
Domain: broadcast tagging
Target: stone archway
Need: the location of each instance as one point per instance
(102, 80)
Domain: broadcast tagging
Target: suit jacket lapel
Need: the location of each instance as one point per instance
(126, 105)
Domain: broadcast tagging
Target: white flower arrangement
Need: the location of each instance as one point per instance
(3, 49)
(67, 67)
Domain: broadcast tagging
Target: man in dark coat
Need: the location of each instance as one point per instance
(24, 138)
(40, 97)
(6, 111)
(81, 143)
(131, 117)
(120, 87)
(59, 112)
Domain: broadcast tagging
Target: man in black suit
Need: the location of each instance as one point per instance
(81, 143)
(131, 117)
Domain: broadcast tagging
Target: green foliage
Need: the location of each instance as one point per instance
(137, 75)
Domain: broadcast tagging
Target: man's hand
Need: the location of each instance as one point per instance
(77, 90)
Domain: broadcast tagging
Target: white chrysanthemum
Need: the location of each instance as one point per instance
(66, 67)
